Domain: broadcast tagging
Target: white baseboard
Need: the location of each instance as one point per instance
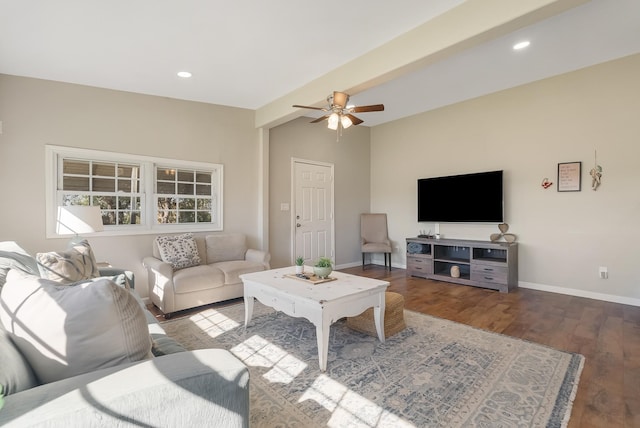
(580, 293)
(543, 287)
(347, 265)
(549, 288)
(356, 264)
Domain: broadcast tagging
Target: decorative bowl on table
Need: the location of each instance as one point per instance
(322, 272)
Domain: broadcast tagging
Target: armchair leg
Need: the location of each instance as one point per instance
(362, 261)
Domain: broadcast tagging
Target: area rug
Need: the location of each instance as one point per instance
(435, 373)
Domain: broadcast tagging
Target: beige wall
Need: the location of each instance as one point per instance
(526, 131)
(564, 237)
(350, 157)
(37, 112)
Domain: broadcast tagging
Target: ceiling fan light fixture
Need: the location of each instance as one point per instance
(333, 121)
(338, 112)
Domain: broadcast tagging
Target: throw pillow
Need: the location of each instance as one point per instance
(12, 256)
(76, 264)
(65, 330)
(180, 251)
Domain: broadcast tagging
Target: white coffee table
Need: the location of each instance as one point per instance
(322, 304)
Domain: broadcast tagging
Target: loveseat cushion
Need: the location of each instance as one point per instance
(180, 251)
(65, 330)
(196, 278)
(15, 372)
(234, 268)
(75, 264)
(223, 247)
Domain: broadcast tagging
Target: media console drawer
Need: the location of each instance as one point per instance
(419, 266)
(488, 273)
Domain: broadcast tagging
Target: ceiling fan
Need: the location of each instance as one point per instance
(339, 113)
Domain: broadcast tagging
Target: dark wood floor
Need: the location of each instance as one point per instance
(607, 334)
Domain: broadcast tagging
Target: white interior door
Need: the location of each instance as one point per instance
(313, 211)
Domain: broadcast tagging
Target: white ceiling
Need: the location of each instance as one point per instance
(248, 53)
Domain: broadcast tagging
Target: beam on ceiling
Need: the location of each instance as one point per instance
(465, 26)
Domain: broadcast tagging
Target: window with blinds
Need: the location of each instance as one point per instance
(185, 195)
(112, 186)
(136, 194)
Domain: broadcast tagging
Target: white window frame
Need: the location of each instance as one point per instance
(148, 223)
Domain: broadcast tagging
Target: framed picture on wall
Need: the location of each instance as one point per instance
(569, 176)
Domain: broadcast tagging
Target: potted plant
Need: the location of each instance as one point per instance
(299, 265)
(323, 268)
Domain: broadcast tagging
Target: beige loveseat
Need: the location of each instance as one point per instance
(223, 257)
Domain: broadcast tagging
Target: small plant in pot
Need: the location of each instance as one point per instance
(299, 265)
(323, 268)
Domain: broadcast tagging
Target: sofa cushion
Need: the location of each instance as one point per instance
(16, 374)
(12, 256)
(180, 251)
(65, 330)
(197, 278)
(223, 247)
(75, 264)
(233, 269)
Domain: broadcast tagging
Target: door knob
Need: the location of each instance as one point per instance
(298, 224)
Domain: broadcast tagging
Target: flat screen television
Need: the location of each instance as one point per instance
(467, 198)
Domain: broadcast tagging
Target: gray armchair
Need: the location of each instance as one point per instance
(374, 237)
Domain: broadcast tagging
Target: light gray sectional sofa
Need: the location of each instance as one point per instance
(187, 271)
(52, 339)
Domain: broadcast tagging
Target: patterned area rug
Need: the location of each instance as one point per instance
(435, 373)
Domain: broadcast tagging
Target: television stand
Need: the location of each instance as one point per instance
(483, 264)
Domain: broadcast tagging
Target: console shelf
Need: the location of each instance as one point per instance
(483, 264)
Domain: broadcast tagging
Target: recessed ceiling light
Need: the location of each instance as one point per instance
(521, 45)
(184, 74)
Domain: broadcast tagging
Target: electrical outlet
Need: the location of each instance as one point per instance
(604, 272)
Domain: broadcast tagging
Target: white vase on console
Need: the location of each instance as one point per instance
(455, 272)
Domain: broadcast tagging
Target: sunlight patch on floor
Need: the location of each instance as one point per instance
(258, 352)
(349, 408)
(214, 323)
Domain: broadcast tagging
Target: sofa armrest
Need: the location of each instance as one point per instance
(258, 256)
(162, 268)
(160, 284)
(194, 388)
(129, 277)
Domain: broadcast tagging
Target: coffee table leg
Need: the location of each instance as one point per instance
(322, 335)
(378, 316)
(248, 310)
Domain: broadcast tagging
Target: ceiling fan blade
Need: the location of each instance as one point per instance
(313, 108)
(364, 109)
(354, 119)
(320, 119)
(340, 99)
